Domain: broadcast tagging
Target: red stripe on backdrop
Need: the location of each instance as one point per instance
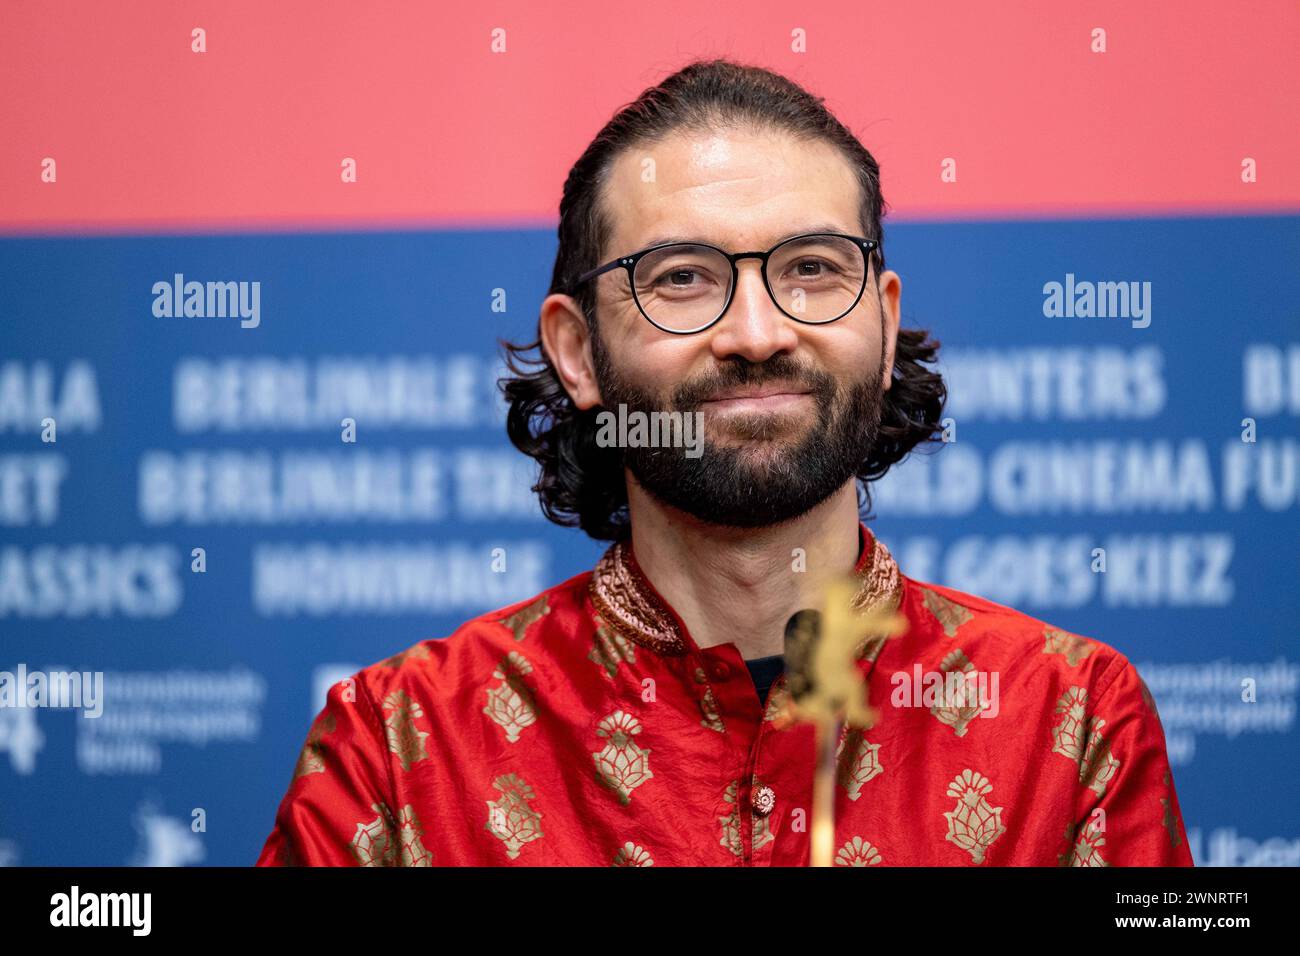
(148, 135)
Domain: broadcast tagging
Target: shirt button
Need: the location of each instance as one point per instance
(763, 799)
(721, 671)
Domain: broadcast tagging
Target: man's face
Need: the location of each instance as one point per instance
(769, 457)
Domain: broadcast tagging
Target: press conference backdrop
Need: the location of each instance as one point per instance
(182, 508)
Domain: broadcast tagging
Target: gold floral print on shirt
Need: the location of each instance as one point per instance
(621, 765)
(416, 652)
(857, 852)
(870, 649)
(973, 824)
(389, 841)
(609, 649)
(959, 712)
(1087, 849)
(510, 704)
(311, 759)
(708, 704)
(521, 620)
(1072, 646)
(1080, 739)
(511, 818)
(731, 837)
(629, 854)
(948, 612)
(404, 738)
(779, 711)
(373, 843)
(1069, 734)
(1099, 765)
(411, 850)
(858, 760)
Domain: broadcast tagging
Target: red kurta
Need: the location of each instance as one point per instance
(584, 726)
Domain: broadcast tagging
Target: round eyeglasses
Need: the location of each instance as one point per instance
(685, 287)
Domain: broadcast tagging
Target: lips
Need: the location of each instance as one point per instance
(757, 392)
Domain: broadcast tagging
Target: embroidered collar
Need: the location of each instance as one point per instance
(625, 599)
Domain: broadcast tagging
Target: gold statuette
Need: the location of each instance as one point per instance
(826, 687)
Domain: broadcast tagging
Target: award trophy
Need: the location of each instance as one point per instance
(827, 688)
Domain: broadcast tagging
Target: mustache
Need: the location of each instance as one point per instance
(689, 396)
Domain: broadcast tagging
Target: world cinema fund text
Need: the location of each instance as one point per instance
(1253, 465)
(371, 482)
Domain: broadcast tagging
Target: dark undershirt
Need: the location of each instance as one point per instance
(764, 671)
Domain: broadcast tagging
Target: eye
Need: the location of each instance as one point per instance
(813, 268)
(675, 280)
(678, 278)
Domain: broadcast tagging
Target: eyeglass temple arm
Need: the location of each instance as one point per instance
(586, 276)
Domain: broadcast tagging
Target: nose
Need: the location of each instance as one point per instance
(752, 327)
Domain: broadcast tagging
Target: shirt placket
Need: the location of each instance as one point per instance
(765, 810)
(741, 713)
(783, 762)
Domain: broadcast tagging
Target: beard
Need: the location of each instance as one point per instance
(766, 479)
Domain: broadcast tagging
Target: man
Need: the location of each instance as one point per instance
(612, 719)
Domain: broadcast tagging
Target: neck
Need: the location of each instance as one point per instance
(740, 585)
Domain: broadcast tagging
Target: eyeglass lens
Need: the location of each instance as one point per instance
(813, 278)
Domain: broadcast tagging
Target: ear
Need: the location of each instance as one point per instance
(890, 298)
(566, 341)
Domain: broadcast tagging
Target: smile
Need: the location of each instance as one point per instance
(770, 402)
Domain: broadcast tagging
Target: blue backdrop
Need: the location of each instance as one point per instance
(1131, 477)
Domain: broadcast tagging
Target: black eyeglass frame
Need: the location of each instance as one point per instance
(629, 262)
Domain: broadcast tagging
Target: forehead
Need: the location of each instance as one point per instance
(741, 189)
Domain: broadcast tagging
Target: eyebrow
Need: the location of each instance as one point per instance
(803, 231)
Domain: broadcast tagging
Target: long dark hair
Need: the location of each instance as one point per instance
(582, 483)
